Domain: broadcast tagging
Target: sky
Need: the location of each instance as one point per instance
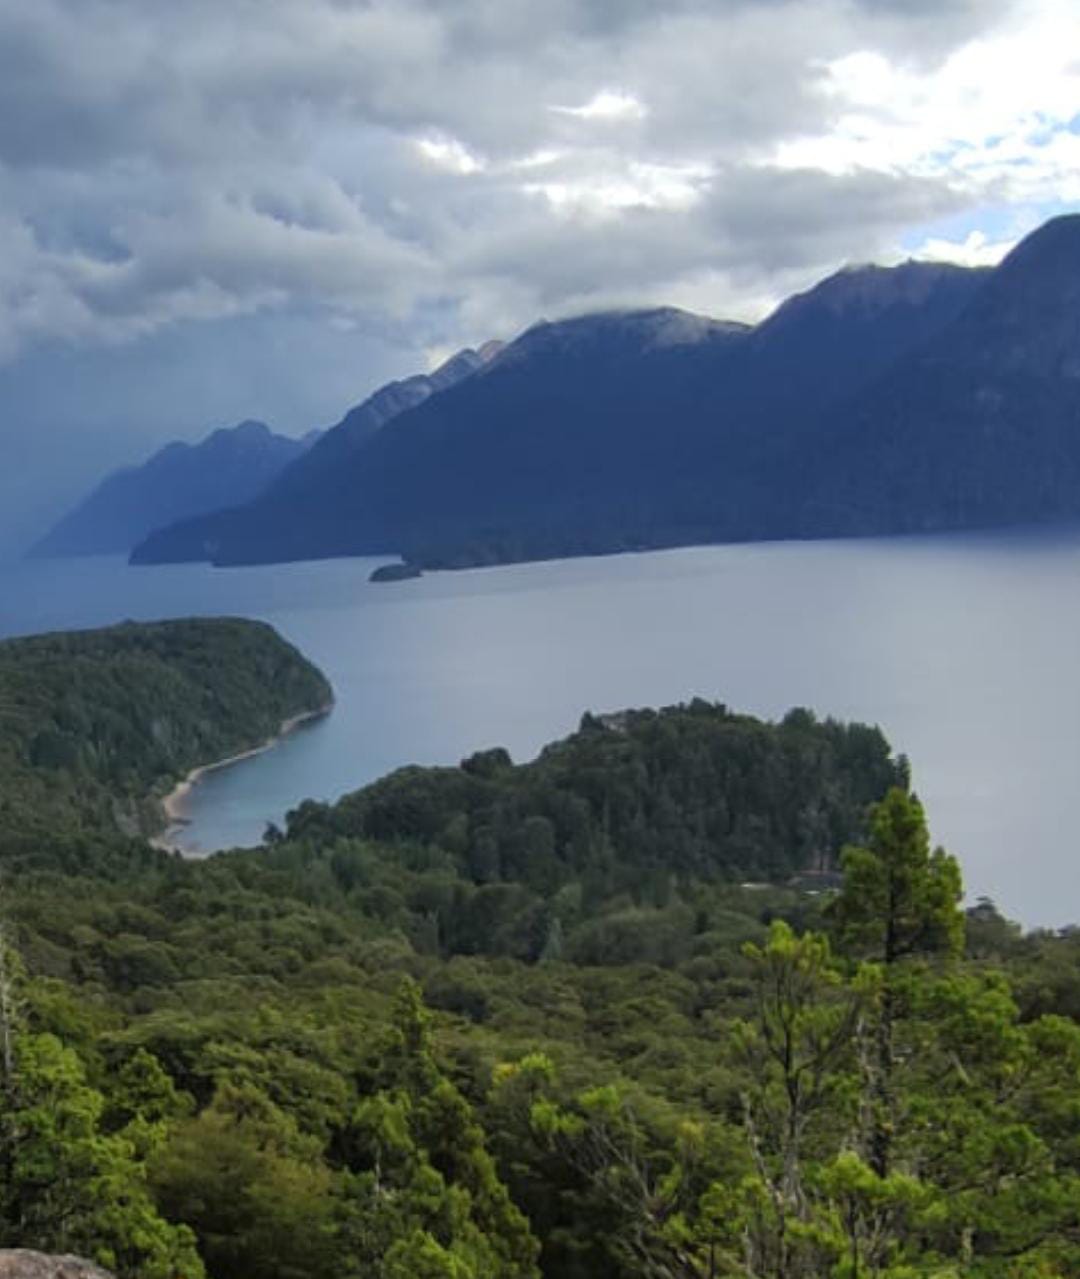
(221, 209)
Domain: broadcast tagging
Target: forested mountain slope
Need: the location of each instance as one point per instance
(604, 432)
(975, 429)
(338, 446)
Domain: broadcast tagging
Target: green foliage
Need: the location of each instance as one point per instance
(634, 801)
(252, 1187)
(899, 903)
(497, 1022)
(93, 722)
(69, 1186)
(425, 1189)
(899, 899)
(979, 1181)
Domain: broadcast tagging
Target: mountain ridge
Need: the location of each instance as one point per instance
(230, 464)
(885, 400)
(978, 429)
(340, 442)
(608, 431)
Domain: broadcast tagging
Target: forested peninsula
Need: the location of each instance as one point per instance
(689, 995)
(96, 726)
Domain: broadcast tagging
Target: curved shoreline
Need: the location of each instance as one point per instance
(172, 803)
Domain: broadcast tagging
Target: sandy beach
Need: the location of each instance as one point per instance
(172, 804)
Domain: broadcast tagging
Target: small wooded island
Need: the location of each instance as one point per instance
(578, 1018)
(395, 572)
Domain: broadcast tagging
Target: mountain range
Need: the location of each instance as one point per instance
(234, 466)
(884, 400)
(230, 466)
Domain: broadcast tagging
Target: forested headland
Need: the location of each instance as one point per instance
(689, 995)
(96, 725)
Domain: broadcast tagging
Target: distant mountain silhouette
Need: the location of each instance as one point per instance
(229, 466)
(605, 432)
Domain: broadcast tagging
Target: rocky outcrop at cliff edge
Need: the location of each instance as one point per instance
(18, 1263)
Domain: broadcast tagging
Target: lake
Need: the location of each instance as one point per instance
(964, 650)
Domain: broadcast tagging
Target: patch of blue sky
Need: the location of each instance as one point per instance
(1047, 128)
(997, 222)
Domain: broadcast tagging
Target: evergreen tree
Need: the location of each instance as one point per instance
(899, 902)
(425, 1192)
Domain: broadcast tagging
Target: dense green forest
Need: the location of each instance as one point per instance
(689, 995)
(96, 725)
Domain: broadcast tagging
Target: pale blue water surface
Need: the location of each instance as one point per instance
(964, 650)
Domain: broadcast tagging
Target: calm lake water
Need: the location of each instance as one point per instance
(965, 651)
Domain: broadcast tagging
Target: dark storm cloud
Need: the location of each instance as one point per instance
(223, 208)
(165, 162)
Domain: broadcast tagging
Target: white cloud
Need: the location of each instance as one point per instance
(994, 117)
(597, 194)
(537, 159)
(975, 249)
(607, 105)
(398, 165)
(450, 154)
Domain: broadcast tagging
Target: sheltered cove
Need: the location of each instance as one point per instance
(172, 803)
